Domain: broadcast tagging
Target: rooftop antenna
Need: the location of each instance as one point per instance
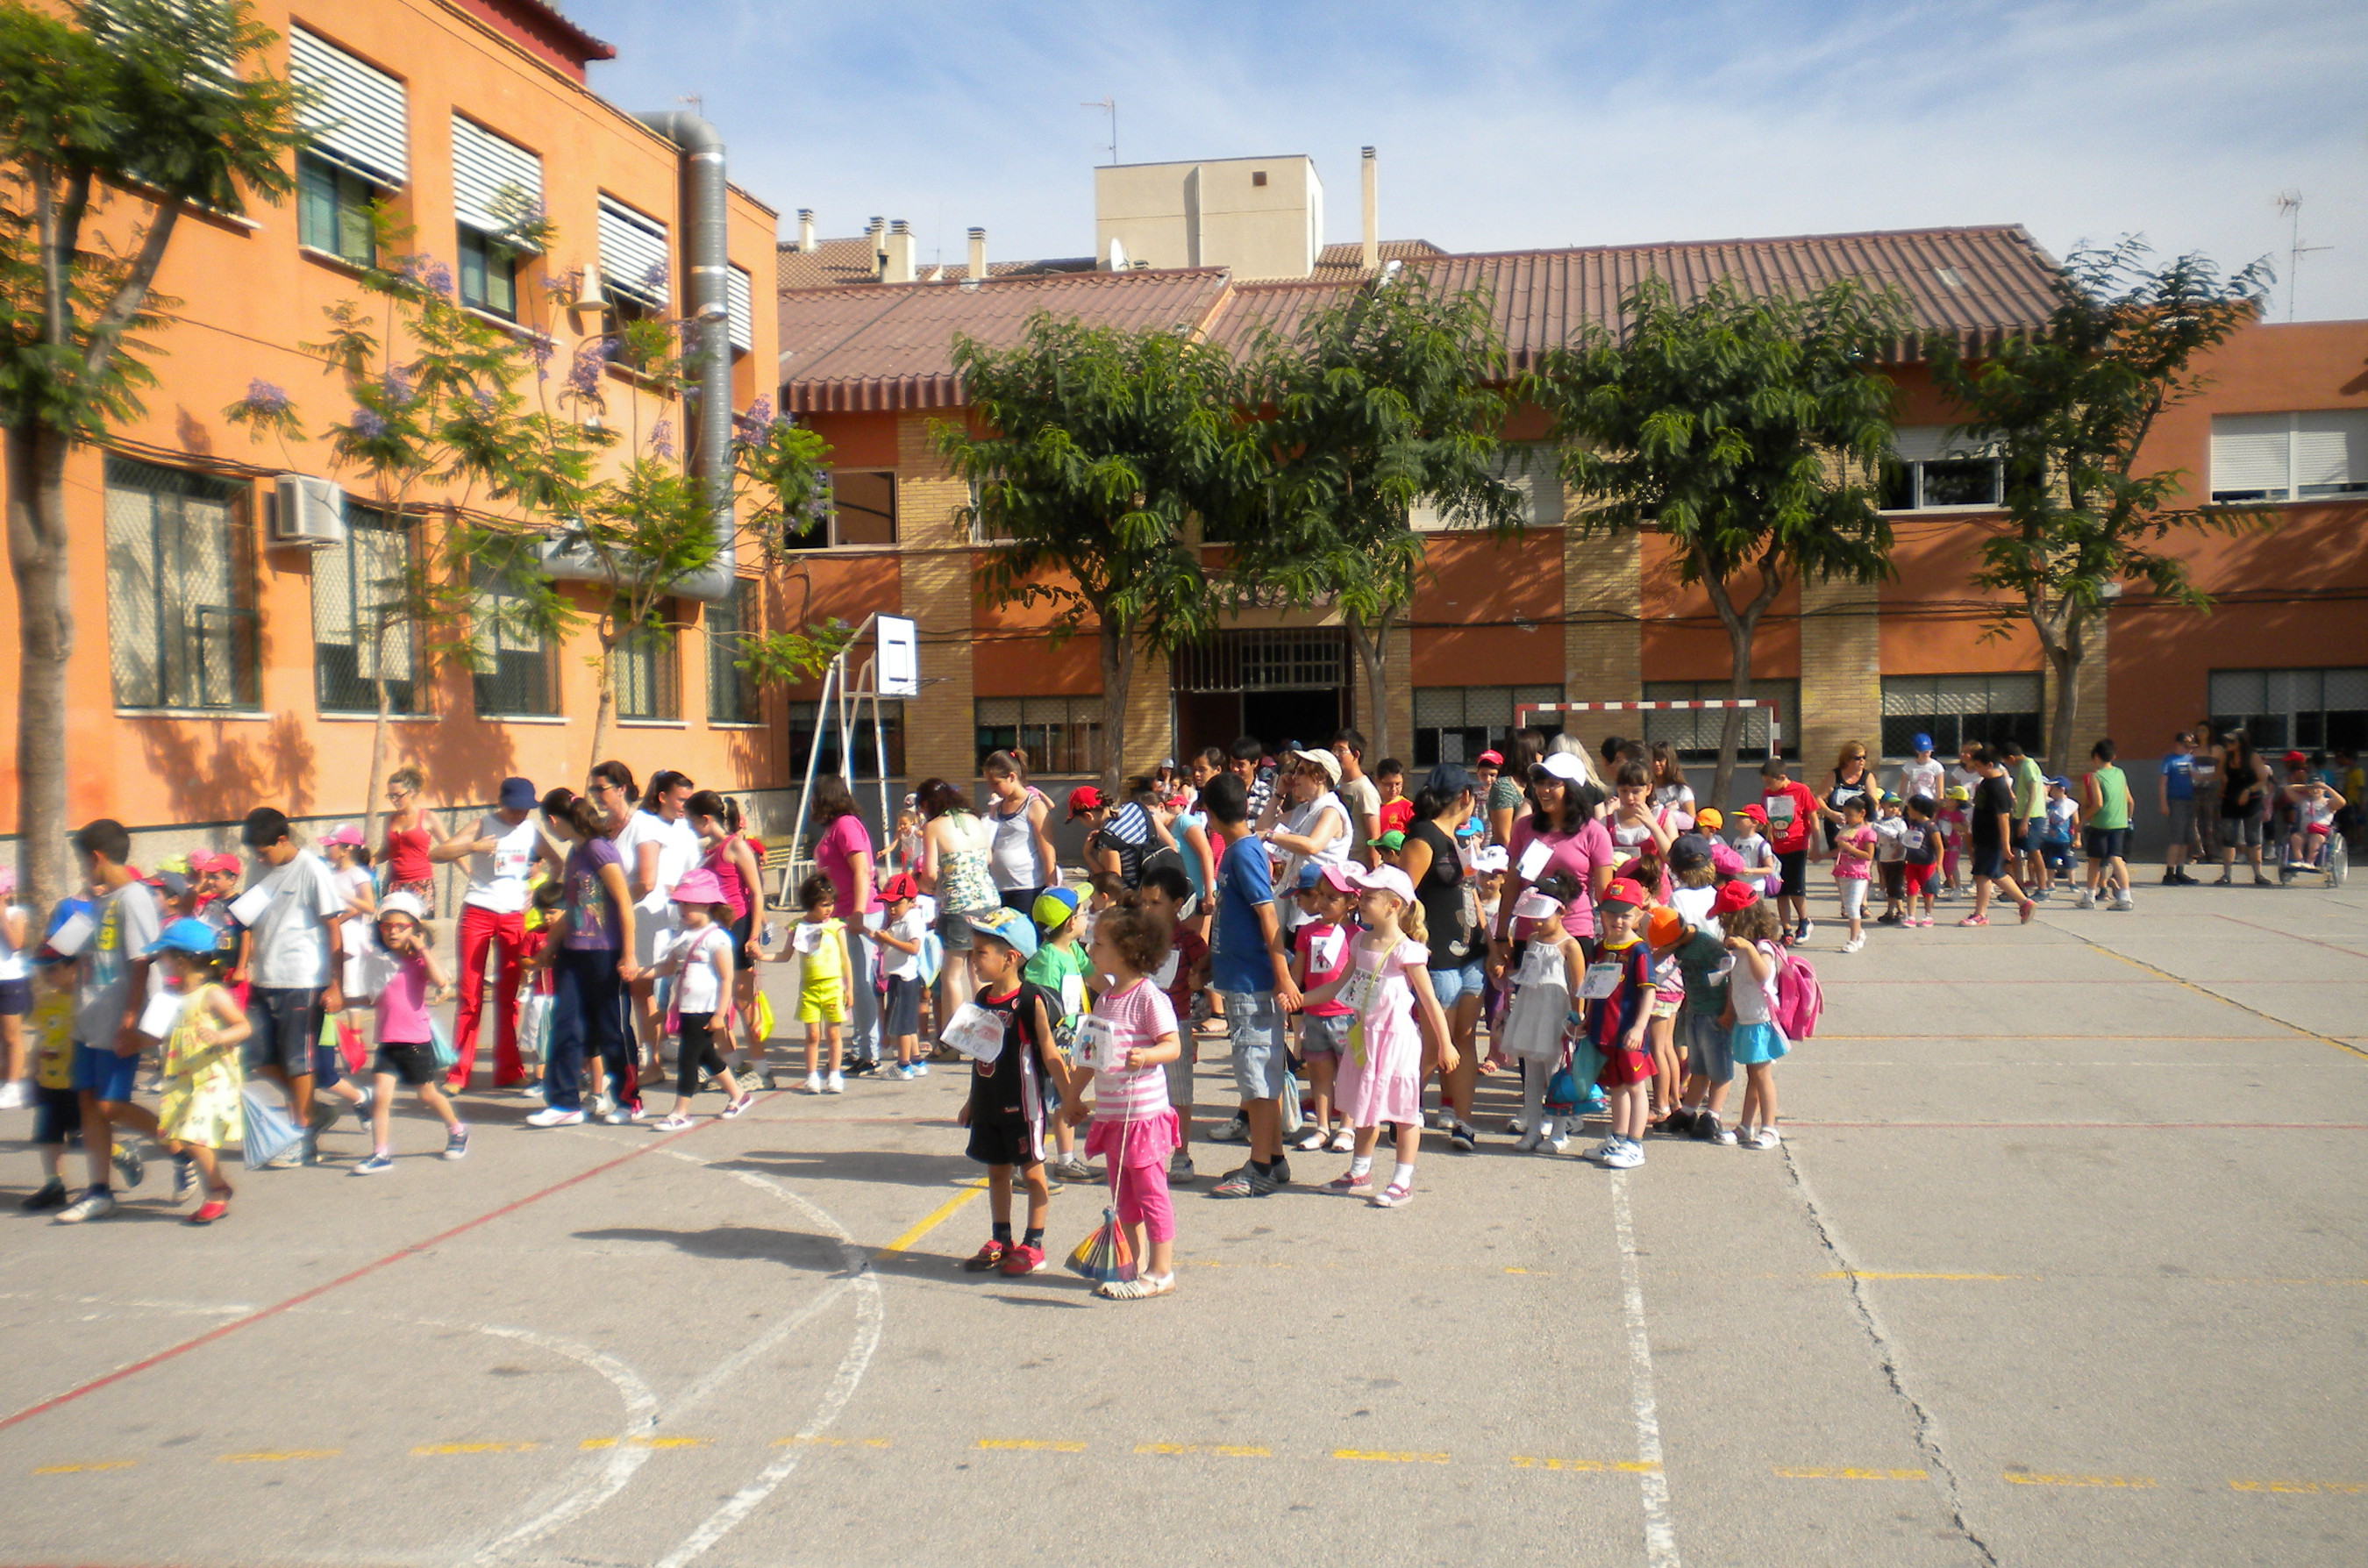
(2290, 207)
(697, 102)
(1110, 107)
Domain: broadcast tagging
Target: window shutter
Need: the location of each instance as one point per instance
(735, 290)
(1931, 443)
(2249, 455)
(2330, 452)
(491, 177)
(356, 117)
(633, 255)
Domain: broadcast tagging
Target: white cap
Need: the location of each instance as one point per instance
(1564, 766)
(1388, 876)
(401, 903)
(1323, 759)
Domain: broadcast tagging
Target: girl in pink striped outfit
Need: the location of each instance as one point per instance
(1128, 1039)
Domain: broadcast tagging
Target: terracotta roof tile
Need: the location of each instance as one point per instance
(838, 263)
(1341, 262)
(891, 345)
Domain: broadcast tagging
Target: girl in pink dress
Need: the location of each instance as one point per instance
(1388, 1054)
(1128, 1040)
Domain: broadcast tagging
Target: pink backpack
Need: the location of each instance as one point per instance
(1799, 1000)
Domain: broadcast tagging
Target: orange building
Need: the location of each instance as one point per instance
(217, 667)
(1550, 617)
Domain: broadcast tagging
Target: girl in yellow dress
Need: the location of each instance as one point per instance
(819, 945)
(201, 1110)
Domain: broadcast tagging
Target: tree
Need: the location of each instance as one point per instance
(1387, 398)
(1097, 452)
(1746, 429)
(112, 121)
(2068, 409)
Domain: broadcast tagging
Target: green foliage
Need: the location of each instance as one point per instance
(1097, 447)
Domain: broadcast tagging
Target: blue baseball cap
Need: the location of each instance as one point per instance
(1006, 925)
(517, 795)
(1053, 908)
(186, 935)
(1919, 742)
(1310, 874)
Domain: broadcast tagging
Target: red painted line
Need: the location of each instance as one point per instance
(413, 1249)
(2111, 1126)
(2289, 936)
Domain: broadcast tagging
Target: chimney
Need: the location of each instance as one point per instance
(806, 240)
(978, 256)
(875, 235)
(1372, 257)
(896, 253)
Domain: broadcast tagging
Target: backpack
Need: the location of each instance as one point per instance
(1798, 999)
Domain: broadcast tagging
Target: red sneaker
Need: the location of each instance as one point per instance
(212, 1208)
(986, 1258)
(1020, 1258)
(2030, 908)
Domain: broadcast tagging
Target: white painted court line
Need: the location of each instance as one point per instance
(1652, 1480)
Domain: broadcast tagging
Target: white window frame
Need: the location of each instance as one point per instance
(2306, 455)
(633, 244)
(1912, 445)
(359, 117)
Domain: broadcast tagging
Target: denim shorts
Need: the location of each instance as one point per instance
(98, 1070)
(285, 1032)
(1322, 1036)
(1708, 1054)
(1454, 983)
(1262, 1059)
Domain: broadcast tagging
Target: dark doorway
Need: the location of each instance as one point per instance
(1308, 717)
(1206, 719)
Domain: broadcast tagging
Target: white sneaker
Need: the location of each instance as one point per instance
(1626, 1157)
(901, 1073)
(920, 1069)
(834, 1084)
(2084, 900)
(602, 1104)
(1557, 1137)
(1854, 944)
(814, 1082)
(2121, 901)
(14, 1094)
(618, 1118)
(1527, 1141)
(552, 1115)
(1604, 1151)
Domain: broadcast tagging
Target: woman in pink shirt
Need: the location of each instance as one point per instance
(843, 852)
(1561, 833)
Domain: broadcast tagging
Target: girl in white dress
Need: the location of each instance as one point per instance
(1388, 1054)
(1536, 1030)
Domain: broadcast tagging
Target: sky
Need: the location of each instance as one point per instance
(1521, 126)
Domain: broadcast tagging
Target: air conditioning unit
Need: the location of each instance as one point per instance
(309, 512)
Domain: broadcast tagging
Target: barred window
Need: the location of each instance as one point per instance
(1695, 732)
(1983, 709)
(730, 692)
(180, 589)
(859, 508)
(1060, 735)
(518, 667)
(361, 628)
(1456, 723)
(867, 754)
(2313, 709)
(643, 668)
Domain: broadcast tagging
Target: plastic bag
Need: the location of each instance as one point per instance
(439, 1046)
(269, 1133)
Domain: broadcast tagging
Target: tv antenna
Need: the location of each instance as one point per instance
(1109, 106)
(2290, 207)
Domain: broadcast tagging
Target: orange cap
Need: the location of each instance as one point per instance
(1665, 927)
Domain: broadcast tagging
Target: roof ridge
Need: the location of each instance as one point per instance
(1008, 279)
(2016, 231)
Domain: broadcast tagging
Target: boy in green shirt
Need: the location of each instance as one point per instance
(1061, 967)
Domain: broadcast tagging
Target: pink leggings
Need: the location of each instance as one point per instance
(1142, 1200)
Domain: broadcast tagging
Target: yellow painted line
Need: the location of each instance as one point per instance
(1872, 1274)
(1222, 1450)
(1630, 1467)
(937, 1216)
(1534, 1273)
(2033, 1478)
(1043, 1444)
(591, 1443)
(476, 1448)
(78, 1468)
(830, 1442)
(1386, 1458)
(278, 1456)
(2341, 1488)
(1835, 1472)
(2231, 1001)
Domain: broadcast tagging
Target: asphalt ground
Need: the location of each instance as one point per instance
(2062, 1262)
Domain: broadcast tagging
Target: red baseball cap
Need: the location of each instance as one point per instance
(1083, 799)
(1624, 891)
(2296, 759)
(1732, 896)
(1493, 758)
(1756, 814)
(899, 885)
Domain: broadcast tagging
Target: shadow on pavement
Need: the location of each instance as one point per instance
(794, 1249)
(856, 1165)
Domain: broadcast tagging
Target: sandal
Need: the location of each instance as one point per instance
(1140, 1288)
(1974, 920)
(674, 1123)
(1392, 1196)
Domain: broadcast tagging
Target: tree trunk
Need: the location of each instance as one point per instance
(1741, 625)
(37, 557)
(2061, 639)
(1372, 648)
(1118, 679)
(608, 700)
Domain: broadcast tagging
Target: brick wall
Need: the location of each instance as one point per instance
(1150, 713)
(940, 727)
(1602, 641)
(1841, 672)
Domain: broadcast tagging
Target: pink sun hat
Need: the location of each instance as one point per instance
(699, 887)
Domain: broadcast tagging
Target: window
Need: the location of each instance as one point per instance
(1060, 735)
(357, 145)
(333, 211)
(633, 257)
(1456, 723)
(1987, 710)
(1258, 177)
(518, 667)
(2288, 457)
(1695, 732)
(862, 509)
(731, 693)
(1530, 468)
(488, 274)
(360, 628)
(180, 589)
(643, 670)
(2310, 709)
(867, 758)
(1932, 473)
(737, 304)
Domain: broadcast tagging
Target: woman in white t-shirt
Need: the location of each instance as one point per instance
(659, 848)
(1672, 796)
(1313, 827)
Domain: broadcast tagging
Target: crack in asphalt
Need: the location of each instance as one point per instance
(1928, 1436)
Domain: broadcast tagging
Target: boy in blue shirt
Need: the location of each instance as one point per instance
(1251, 970)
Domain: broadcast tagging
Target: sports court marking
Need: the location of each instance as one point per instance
(2291, 936)
(801, 1442)
(1388, 1456)
(1584, 1467)
(429, 1450)
(1032, 1445)
(1838, 1472)
(2338, 1488)
(2093, 1126)
(277, 1456)
(1872, 1274)
(86, 1465)
(937, 1216)
(2230, 1001)
(591, 1445)
(2034, 1478)
(1222, 1450)
(1660, 1529)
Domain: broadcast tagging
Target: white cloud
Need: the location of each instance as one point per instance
(1510, 126)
